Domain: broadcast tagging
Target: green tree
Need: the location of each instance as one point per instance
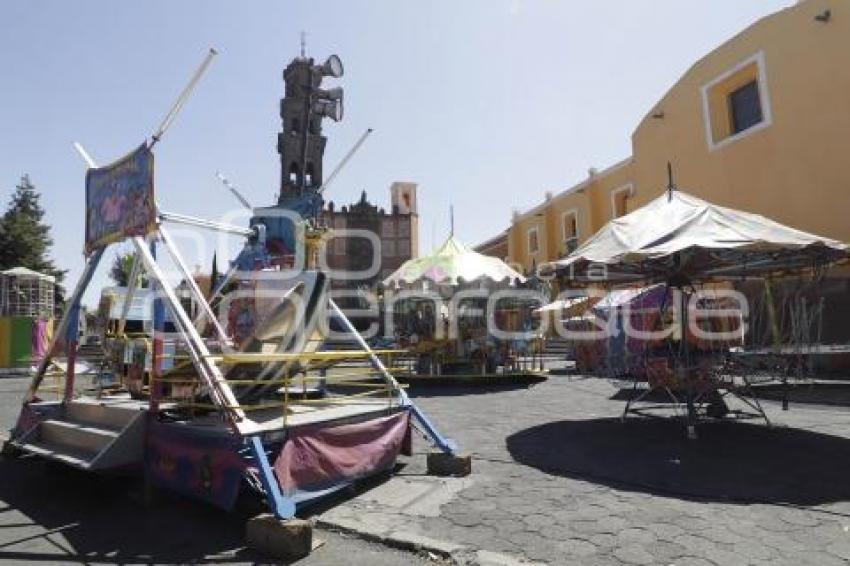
(24, 237)
(121, 268)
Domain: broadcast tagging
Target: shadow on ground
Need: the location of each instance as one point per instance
(463, 390)
(654, 396)
(102, 523)
(729, 461)
(830, 394)
(827, 394)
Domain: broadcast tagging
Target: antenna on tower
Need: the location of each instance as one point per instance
(451, 220)
(303, 44)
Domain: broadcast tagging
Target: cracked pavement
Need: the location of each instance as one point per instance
(558, 479)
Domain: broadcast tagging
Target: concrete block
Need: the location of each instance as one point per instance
(290, 538)
(442, 464)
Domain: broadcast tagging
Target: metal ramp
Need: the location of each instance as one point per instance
(86, 435)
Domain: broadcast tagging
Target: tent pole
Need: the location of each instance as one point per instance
(685, 356)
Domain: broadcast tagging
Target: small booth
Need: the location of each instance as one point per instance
(27, 303)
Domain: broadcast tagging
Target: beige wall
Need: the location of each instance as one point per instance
(794, 167)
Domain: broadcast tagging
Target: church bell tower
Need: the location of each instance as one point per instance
(301, 144)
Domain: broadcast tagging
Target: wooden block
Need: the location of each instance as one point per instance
(289, 538)
(442, 464)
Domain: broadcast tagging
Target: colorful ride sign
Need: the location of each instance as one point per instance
(120, 199)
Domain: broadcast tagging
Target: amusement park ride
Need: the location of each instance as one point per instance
(226, 407)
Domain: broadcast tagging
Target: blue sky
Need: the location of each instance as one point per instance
(486, 104)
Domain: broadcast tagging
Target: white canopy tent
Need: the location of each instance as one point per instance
(681, 237)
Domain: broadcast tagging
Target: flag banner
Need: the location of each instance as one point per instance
(120, 199)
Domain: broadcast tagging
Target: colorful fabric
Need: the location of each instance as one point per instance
(42, 330)
(207, 467)
(120, 199)
(319, 457)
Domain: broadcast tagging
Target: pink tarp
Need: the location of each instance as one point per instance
(40, 339)
(319, 457)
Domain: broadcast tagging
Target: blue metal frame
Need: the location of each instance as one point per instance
(283, 507)
(447, 445)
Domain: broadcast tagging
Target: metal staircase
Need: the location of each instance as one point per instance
(87, 435)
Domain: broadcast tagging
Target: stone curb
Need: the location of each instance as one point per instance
(455, 553)
(396, 539)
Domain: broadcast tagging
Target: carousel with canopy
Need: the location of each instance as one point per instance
(459, 312)
(696, 251)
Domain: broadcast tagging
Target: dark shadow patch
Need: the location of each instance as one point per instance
(654, 396)
(104, 523)
(729, 461)
(830, 394)
(435, 390)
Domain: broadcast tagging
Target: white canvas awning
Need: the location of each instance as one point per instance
(681, 236)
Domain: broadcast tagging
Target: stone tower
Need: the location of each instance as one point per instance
(301, 144)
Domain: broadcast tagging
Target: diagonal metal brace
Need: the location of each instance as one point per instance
(283, 507)
(447, 445)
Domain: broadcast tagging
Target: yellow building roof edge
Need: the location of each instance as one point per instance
(578, 186)
(493, 240)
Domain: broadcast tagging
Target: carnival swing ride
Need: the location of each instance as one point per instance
(225, 407)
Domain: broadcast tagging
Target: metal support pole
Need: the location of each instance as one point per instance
(685, 352)
(155, 383)
(345, 160)
(64, 322)
(445, 444)
(214, 380)
(193, 285)
(71, 336)
(205, 224)
(234, 191)
(184, 96)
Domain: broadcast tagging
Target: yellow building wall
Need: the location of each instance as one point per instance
(518, 242)
(795, 168)
(591, 200)
(601, 189)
